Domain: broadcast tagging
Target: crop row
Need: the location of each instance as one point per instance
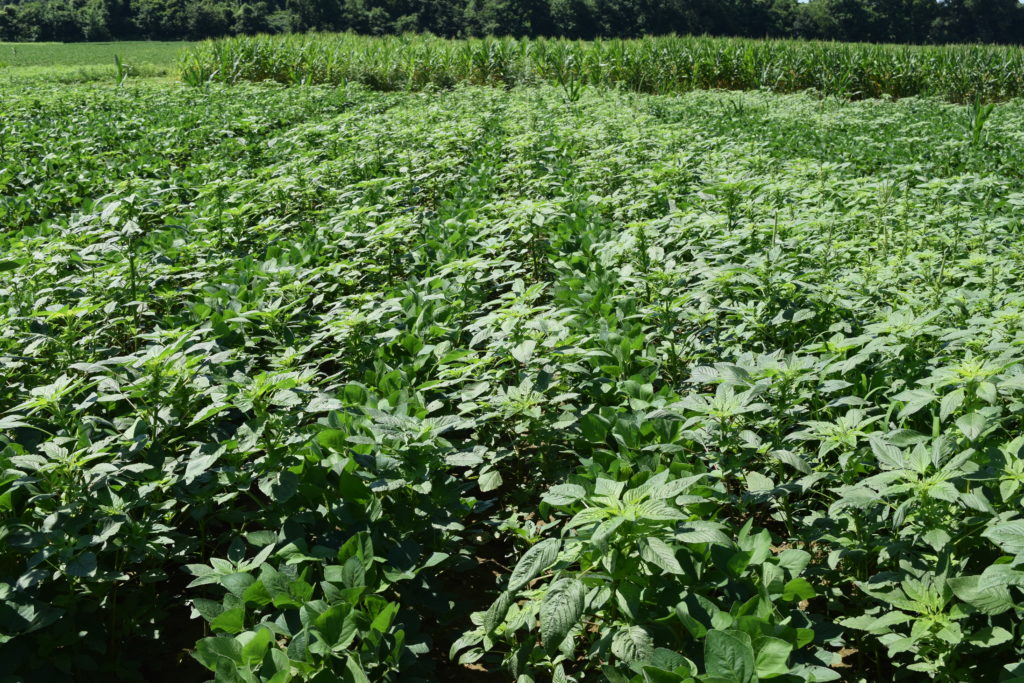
(650, 65)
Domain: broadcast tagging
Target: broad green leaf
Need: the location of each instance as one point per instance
(758, 482)
(353, 672)
(594, 428)
(255, 646)
(237, 583)
(729, 655)
(84, 565)
(335, 439)
(353, 573)
(229, 621)
(798, 589)
(212, 652)
(382, 622)
(489, 480)
(794, 560)
(198, 464)
(337, 626)
(772, 657)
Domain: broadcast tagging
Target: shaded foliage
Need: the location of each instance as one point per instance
(903, 21)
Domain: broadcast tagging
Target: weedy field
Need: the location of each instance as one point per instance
(540, 384)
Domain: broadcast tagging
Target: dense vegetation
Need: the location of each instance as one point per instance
(904, 21)
(321, 383)
(650, 65)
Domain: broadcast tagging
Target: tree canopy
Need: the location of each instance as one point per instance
(904, 21)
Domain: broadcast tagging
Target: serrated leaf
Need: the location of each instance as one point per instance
(604, 532)
(586, 517)
(950, 403)
(676, 487)
(533, 561)
(12, 422)
(1000, 575)
(563, 494)
(987, 392)
(524, 351)
(914, 399)
(991, 600)
(658, 553)
(632, 644)
(560, 611)
(198, 464)
(991, 636)
(208, 412)
(495, 614)
(972, 425)
(690, 533)
(1009, 536)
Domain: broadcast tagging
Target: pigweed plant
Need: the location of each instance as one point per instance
(319, 383)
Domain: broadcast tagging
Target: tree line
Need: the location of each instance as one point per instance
(903, 21)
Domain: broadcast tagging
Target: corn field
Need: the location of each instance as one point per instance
(650, 65)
